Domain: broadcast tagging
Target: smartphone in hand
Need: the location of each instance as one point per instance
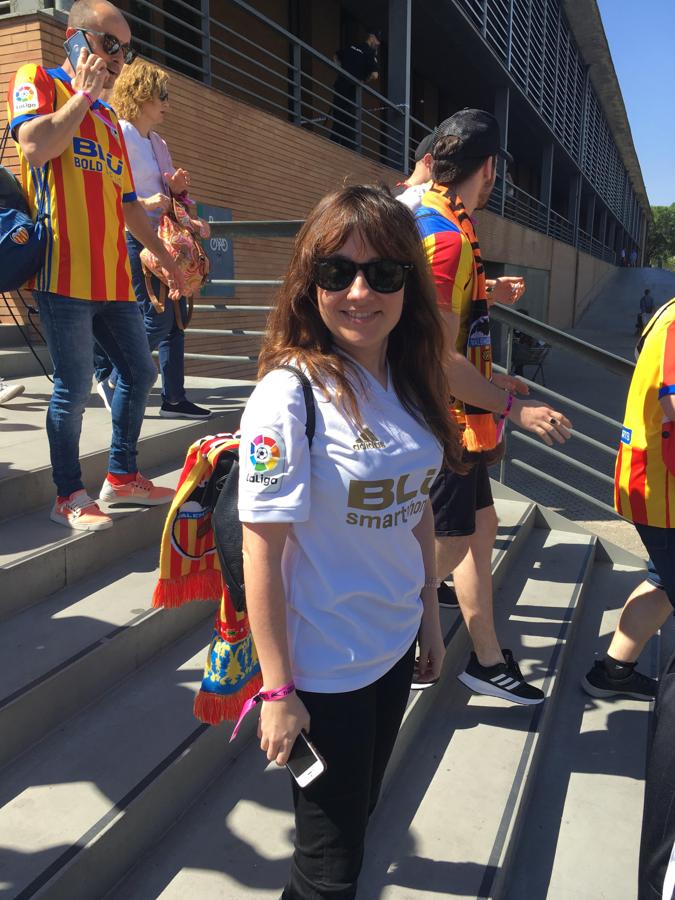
(305, 762)
(73, 46)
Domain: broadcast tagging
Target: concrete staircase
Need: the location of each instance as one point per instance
(109, 786)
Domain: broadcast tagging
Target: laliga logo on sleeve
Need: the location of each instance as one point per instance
(267, 461)
(25, 98)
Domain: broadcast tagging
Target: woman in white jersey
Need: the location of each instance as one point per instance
(338, 538)
(141, 100)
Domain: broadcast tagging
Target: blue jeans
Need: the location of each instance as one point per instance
(162, 331)
(70, 327)
(660, 544)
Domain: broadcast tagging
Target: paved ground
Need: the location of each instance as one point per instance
(609, 323)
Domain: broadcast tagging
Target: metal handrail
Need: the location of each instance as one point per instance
(610, 361)
(508, 316)
(313, 52)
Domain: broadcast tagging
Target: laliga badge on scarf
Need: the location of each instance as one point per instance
(266, 462)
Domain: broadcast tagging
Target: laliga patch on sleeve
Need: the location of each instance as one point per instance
(265, 464)
(25, 98)
(626, 435)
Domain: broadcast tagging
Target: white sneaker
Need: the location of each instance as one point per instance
(9, 391)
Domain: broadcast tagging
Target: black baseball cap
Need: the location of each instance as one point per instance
(425, 146)
(478, 132)
(376, 31)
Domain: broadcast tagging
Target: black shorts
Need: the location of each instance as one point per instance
(455, 499)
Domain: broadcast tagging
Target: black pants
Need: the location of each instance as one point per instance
(658, 823)
(344, 114)
(355, 733)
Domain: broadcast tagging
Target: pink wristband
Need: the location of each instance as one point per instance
(90, 100)
(502, 419)
(276, 694)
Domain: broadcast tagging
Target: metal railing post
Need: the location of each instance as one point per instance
(297, 84)
(206, 41)
(507, 366)
(358, 118)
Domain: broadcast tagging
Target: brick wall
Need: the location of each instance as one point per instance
(239, 157)
(265, 168)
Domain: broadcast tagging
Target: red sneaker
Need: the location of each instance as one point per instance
(140, 491)
(80, 512)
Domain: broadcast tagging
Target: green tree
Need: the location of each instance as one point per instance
(661, 242)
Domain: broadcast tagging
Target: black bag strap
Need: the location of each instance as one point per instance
(652, 323)
(309, 400)
(3, 142)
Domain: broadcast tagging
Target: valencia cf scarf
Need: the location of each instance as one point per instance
(190, 570)
(481, 429)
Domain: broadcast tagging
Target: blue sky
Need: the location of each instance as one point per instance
(641, 39)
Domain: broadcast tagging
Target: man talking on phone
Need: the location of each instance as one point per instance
(70, 143)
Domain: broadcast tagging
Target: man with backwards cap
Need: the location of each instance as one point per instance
(411, 191)
(463, 170)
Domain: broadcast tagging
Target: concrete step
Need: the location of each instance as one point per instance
(235, 842)
(10, 336)
(17, 363)
(457, 805)
(585, 811)
(78, 807)
(26, 478)
(39, 557)
(63, 653)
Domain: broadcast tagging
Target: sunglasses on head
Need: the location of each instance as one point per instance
(112, 46)
(335, 273)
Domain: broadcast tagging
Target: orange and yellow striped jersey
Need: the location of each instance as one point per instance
(87, 184)
(644, 480)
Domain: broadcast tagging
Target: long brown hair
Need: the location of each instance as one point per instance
(296, 331)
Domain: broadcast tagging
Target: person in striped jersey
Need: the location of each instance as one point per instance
(644, 493)
(70, 141)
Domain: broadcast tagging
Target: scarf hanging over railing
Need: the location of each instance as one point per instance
(481, 429)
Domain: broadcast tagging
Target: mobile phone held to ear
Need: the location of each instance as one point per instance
(305, 762)
(74, 45)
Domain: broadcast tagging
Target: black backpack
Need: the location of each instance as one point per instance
(225, 522)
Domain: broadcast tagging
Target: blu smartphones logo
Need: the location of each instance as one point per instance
(90, 156)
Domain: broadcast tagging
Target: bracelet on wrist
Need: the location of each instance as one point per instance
(502, 419)
(277, 693)
(90, 99)
(262, 695)
(433, 582)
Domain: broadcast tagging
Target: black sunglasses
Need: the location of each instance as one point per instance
(112, 45)
(163, 96)
(335, 273)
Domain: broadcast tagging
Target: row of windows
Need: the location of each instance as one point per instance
(532, 38)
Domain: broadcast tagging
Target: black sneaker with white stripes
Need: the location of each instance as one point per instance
(504, 680)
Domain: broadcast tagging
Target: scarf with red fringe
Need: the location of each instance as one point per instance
(189, 570)
(481, 429)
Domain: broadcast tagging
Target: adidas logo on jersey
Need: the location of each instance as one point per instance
(368, 441)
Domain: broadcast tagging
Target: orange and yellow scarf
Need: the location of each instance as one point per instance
(481, 429)
(190, 571)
